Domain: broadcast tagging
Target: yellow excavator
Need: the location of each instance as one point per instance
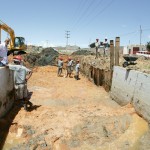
(17, 44)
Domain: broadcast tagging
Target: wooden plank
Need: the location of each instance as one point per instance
(117, 47)
(111, 54)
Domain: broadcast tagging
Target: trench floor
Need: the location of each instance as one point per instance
(72, 115)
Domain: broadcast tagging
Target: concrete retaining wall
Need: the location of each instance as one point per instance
(130, 86)
(6, 90)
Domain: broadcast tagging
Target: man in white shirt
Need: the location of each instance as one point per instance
(3, 53)
(60, 66)
(21, 75)
(69, 67)
(77, 70)
(97, 44)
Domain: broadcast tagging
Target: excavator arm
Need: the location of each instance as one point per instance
(10, 32)
(17, 44)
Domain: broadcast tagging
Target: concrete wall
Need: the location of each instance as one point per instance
(6, 90)
(130, 86)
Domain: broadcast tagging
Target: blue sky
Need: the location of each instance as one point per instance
(45, 22)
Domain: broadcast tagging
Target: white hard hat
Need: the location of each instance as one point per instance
(105, 37)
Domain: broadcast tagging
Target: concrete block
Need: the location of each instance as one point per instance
(6, 90)
(141, 100)
(130, 86)
(123, 83)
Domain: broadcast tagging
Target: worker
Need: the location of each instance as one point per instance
(97, 44)
(106, 45)
(3, 53)
(77, 70)
(21, 76)
(69, 66)
(60, 66)
(72, 66)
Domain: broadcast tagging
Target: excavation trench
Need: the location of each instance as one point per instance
(70, 114)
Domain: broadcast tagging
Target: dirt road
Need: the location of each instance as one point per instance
(70, 114)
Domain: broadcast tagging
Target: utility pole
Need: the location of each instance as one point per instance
(67, 37)
(47, 43)
(140, 35)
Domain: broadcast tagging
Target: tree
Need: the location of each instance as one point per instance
(148, 46)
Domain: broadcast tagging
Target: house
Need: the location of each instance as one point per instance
(133, 49)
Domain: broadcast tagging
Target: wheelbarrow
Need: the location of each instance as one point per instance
(130, 60)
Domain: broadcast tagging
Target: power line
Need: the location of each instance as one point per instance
(81, 13)
(77, 11)
(100, 12)
(91, 9)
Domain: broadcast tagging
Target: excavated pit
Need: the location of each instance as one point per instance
(83, 118)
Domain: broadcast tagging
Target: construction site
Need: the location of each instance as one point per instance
(77, 77)
(104, 110)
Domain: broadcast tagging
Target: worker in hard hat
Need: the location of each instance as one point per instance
(21, 76)
(69, 67)
(60, 66)
(77, 70)
(3, 53)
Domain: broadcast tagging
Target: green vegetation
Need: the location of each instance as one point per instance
(148, 46)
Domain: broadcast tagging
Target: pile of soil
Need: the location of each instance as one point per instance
(83, 52)
(46, 57)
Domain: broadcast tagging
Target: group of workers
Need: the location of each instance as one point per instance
(70, 67)
(21, 73)
(105, 45)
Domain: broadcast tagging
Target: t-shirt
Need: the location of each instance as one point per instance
(20, 73)
(3, 53)
(106, 45)
(77, 67)
(97, 44)
(70, 63)
(60, 63)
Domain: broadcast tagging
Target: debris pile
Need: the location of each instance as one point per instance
(46, 57)
(82, 52)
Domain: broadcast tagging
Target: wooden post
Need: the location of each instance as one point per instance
(117, 47)
(95, 76)
(111, 54)
(98, 79)
(96, 52)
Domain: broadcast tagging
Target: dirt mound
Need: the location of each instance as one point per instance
(82, 52)
(46, 57)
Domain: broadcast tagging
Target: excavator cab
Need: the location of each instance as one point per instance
(20, 43)
(19, 46)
